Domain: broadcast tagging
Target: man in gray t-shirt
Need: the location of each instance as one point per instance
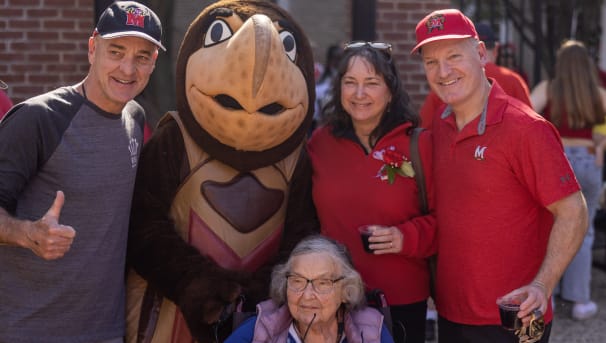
(68, 160)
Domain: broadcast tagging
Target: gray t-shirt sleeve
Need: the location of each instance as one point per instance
(29, 134)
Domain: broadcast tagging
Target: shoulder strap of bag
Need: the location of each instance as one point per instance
(417, 166)
(415, 158)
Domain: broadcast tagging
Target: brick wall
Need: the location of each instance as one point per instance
(396, 22)
(43, 44)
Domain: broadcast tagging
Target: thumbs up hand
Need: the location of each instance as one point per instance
(49, 239)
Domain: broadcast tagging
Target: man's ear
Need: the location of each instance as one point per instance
(482, 53)
(91, 49)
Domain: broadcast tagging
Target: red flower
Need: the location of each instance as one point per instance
(393, 158)
(395, 164)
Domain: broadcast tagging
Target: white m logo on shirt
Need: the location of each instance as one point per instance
(479, 153)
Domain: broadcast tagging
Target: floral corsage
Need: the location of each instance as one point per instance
(395, 164)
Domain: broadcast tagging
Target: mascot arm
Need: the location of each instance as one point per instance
(301, 220)
(301, 217)
(156, 251)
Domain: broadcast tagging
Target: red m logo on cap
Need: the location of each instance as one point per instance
(435, 22)
(135, 17)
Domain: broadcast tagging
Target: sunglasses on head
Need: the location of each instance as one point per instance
(381, 46)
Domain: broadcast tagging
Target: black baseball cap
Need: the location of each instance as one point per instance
(130, 18)
(486, 34)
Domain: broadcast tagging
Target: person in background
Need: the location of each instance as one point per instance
(511, 82)
(599, 131)
(316, 296)
(5, 101)
(68, 160)
(575, 102)
(503, 186)
(507, 58)
(362, 175)
(333, 54)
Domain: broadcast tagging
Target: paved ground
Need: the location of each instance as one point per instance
(565, 329)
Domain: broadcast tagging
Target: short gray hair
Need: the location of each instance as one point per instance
(352, 285)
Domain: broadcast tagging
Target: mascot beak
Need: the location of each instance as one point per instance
(247, 92)
(262, 28)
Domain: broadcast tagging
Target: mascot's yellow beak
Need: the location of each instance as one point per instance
(243, 86)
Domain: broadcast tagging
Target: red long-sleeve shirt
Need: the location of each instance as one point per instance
(347, 194)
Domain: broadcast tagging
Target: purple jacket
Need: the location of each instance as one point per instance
(272, 323)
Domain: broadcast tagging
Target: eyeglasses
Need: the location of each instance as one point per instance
(381, 46)
(298, 283)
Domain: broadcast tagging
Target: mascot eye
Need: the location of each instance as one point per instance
(290, 45)
(217, 32)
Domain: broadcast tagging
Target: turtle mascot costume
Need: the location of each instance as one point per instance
(223, 189)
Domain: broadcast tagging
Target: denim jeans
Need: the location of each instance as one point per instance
(576, 281)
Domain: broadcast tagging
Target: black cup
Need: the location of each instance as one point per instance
(365, 233)
(509, 316)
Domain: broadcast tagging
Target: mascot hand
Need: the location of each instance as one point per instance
(256, 290)
(203, 303)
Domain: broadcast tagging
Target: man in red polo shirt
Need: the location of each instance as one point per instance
(508, 206)
(511, 82)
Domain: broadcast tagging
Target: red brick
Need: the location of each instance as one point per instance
(59, 24)
(11, 35)
(62, 68)
(42, 13)
(41, 78)
(12, 12)
(74, 78)
(44, 57)
(28, 89)
(65, 3)
(13, 79)
(75, 36)
(6, 56)
(24, 24)
(83, 13)
(393, 16)
(385, 6)
(42, 35)
(60, 46)
(25, 46)
(75, 58)
(24, 3)
(24, 68)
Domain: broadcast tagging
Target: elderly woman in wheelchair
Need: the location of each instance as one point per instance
(316, 296)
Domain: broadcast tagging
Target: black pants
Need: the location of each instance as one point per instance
(449, 332)
(412, 317)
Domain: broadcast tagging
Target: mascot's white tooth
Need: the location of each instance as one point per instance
(214, 184)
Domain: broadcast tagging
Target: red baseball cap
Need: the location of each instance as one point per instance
(443, 24)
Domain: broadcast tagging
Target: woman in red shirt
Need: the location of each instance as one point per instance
(362, 175)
